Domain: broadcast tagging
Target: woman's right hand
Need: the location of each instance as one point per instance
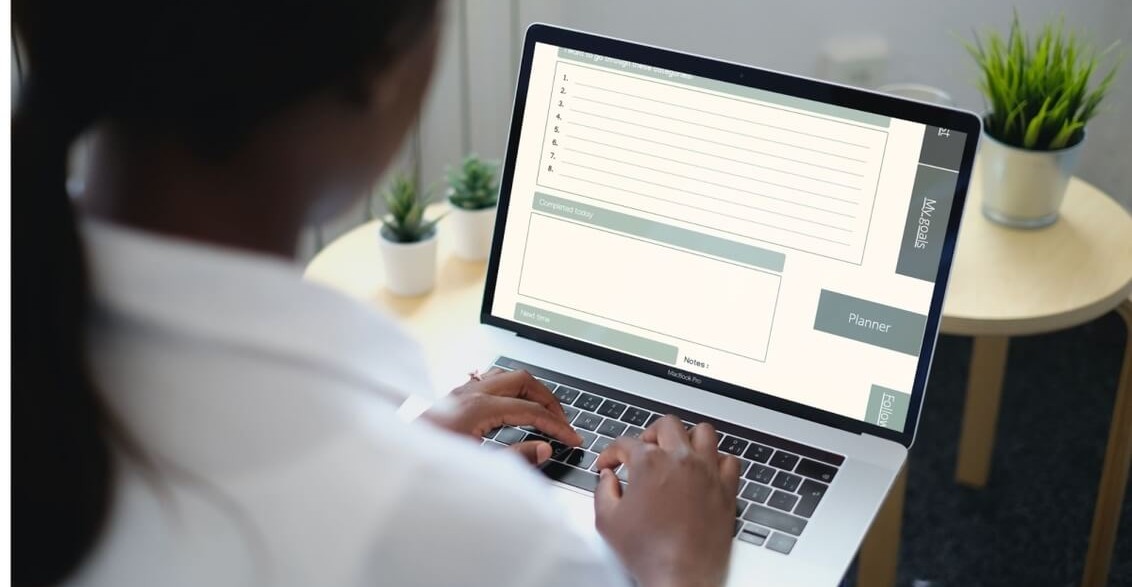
(672, 525)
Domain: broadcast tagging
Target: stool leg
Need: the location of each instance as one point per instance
(880, 552)
(980, 413)
(1114, 473)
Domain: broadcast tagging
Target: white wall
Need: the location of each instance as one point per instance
(471, 97)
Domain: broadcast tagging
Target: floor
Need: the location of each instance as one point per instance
(1030, 525)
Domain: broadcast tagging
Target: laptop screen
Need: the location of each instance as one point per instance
(779, 244)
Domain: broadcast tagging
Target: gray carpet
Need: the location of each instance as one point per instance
(1030, 525)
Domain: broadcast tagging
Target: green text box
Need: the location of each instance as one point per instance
(887, 408)
(724, 87)
(622, 341)
(870, 322)
(665, 233)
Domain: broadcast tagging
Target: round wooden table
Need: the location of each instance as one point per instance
(1005, 282)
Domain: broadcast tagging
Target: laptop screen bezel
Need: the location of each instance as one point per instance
(767, 80)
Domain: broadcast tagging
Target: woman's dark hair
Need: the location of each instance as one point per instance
(205, 72)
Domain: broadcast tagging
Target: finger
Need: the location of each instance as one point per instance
(671, 435)
(535, 452)
(499, 411)
(523, 385)
(620, 451)
(492, 372)
(607, 496)
(704, 439)
(649, 435)
(729, 471)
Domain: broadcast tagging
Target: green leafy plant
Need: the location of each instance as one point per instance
(1038, 89)
(405, 222)
(473, 186)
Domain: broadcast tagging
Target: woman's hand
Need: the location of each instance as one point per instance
(505, 398)
(672, 524)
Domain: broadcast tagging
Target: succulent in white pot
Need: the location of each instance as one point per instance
(473, 193)
(1040, 95)
(408, 240)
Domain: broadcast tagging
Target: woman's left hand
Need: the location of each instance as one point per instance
(505, 398)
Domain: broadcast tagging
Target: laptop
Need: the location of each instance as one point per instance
(765, 252)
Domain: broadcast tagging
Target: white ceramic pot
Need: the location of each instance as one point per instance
(471, 232)
(1024, 188)
(410, 268)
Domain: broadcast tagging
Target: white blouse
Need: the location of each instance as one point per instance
(266, 406)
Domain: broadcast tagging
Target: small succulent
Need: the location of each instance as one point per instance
(1039, 89)
(405, 223)
(473, 186)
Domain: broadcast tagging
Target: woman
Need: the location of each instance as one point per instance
(187, 411)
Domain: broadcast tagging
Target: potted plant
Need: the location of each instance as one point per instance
(1040, 98)
(473, 193)
(408, 241)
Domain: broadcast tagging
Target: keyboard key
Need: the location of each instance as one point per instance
(784, 480)
(532, 437)
(781, 543)
(587, 421)
(566, 395)
(588, 438)
(611, 409)
(636, 416)
(580, 458)
(749, 535)
(588, 402)
(815, 470)
(549, 384)
(738, 526)
(744, 465)
(740, 505)
(570, 476)
(611, 428)
(633, 432)
(559, 451)
(756, 492)
(491, 433)
(784, 460)
(571, 412)
(774, 519)
(739, 488)
(600, 444)
(761, 473)
(811, 492)
(652, 419)
(758, 453)
(623, 473)
(510, 435)
(782, 500)
(733, 445)
(754, 534)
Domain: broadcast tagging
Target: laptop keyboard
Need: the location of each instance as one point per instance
(781, 481)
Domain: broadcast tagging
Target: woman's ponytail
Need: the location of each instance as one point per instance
(61, 460)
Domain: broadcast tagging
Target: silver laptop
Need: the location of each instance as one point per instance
(765, 252)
